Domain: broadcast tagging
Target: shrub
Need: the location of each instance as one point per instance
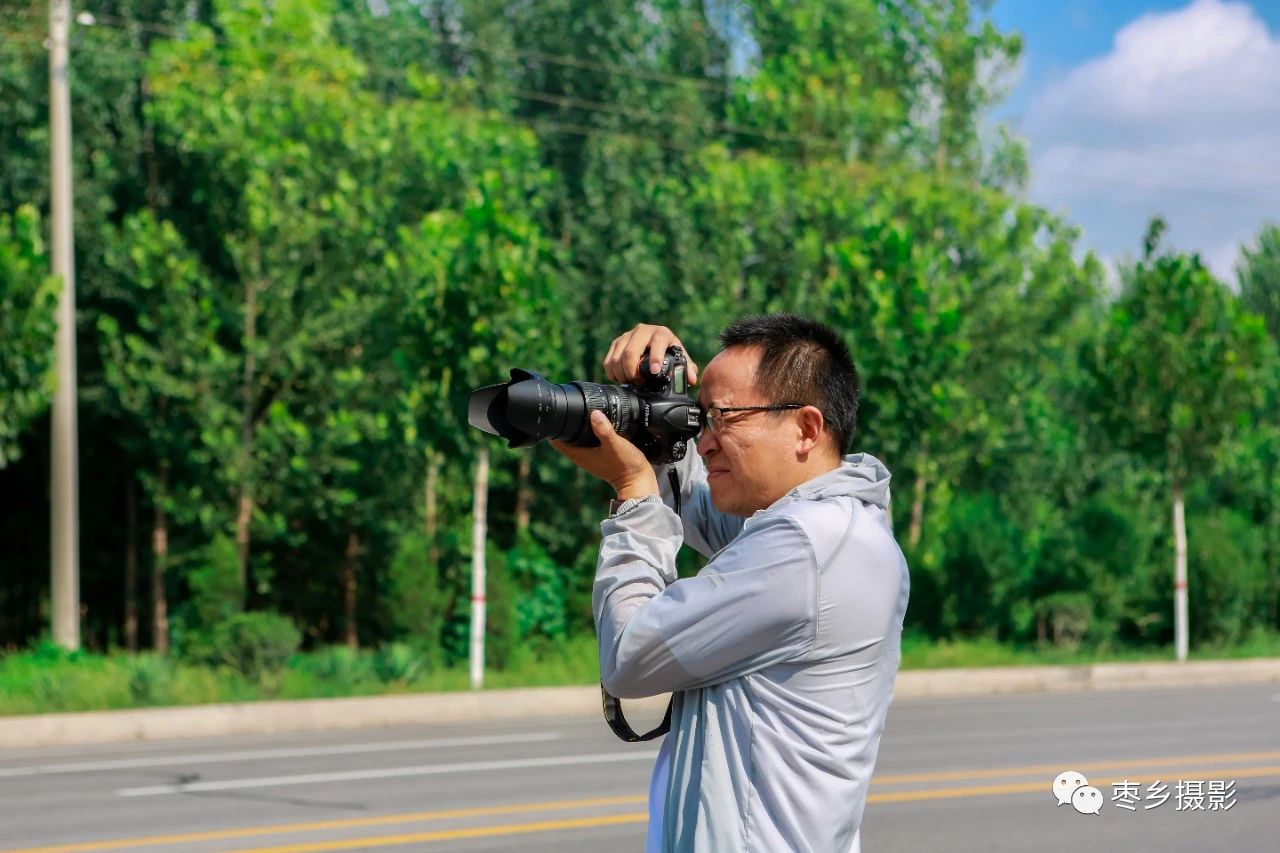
(339, 665)
(149, 677)
(1226, 576)
(541, 617)
(417, 601)
(1065, 617)
(399, 663)
(216, 591)
(257, 645)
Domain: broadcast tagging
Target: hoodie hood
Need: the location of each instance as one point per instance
(860, 474)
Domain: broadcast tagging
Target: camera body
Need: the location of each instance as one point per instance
(656, 415)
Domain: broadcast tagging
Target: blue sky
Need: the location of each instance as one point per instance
(1136, 108)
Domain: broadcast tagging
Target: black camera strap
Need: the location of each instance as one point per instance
(617, 722)
(612, 704)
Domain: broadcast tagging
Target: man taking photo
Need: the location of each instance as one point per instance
(782, 652)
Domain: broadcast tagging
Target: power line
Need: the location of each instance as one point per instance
(567, 60)
(546, 97)
(596, 106)
(532, 123)
(601, 106)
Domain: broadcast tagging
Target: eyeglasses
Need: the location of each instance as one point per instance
(713, 418)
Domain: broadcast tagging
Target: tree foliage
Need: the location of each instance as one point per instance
(28, 300)
(306, 229)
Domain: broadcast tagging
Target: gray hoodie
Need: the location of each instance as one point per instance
(781, 653)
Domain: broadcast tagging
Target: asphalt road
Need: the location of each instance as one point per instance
(953, 775)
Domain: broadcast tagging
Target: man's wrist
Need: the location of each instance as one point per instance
(643, 488)
(628, 494)
(620, 507)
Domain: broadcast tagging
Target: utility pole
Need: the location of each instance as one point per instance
(479, 522)
(64, 485)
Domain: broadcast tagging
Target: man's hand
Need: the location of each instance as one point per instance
(622, 362)
(616, 461)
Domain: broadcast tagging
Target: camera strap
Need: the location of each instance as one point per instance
(621, 728)
(612, 704)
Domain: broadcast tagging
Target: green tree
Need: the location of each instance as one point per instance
(295, 161)
(1259, 274)
(28, 300)
(1177, 370)
(489, 294)
(162, 364)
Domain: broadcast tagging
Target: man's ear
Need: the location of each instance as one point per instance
(811, 424)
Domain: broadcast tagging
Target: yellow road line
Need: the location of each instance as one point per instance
(314, 826)
(452, 834)
(1043, 786)
(640, 817)
(1183, 762)
(1142, 763)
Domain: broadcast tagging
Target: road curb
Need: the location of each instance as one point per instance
(963, 681)
(366, 712)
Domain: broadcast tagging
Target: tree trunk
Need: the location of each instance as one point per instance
(349, 590)
(159, 561)
(1179, 574)
(433, 486)
(916, 528)
(480, 509)
(245, 511)
(523, 495)
(149, 149)
(243, 516)
(131, 566)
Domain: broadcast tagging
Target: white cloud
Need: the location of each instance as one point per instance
(1181, 118)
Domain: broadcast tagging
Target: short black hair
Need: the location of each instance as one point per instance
(803, 361)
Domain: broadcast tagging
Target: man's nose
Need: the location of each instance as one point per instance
(707, 443)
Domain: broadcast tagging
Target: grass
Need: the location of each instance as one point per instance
(47, 679)
(919, 652)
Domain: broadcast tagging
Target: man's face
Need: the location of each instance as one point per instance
(750, 462)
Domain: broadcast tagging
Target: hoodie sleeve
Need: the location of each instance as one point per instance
(706, 529)
(751, 607)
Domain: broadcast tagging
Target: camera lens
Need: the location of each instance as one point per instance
(528, 409)
(619, 406)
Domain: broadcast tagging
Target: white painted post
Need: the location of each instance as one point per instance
(480, 506)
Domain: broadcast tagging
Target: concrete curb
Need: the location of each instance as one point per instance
(306, 715)
(411, 709)
(920, 683)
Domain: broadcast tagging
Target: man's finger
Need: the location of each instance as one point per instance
(623, 365)
(658, 349)
(632, 354)
(602, 426)
(611, 357)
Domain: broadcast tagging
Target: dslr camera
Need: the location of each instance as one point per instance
(657, 415)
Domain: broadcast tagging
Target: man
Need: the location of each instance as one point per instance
(782, 652)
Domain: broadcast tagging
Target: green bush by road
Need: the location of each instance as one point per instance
(47, 679)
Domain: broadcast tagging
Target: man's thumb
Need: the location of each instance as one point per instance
(601, 426)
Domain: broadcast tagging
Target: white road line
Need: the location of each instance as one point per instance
(290, 752)
(1063, 732)
(385, 773)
